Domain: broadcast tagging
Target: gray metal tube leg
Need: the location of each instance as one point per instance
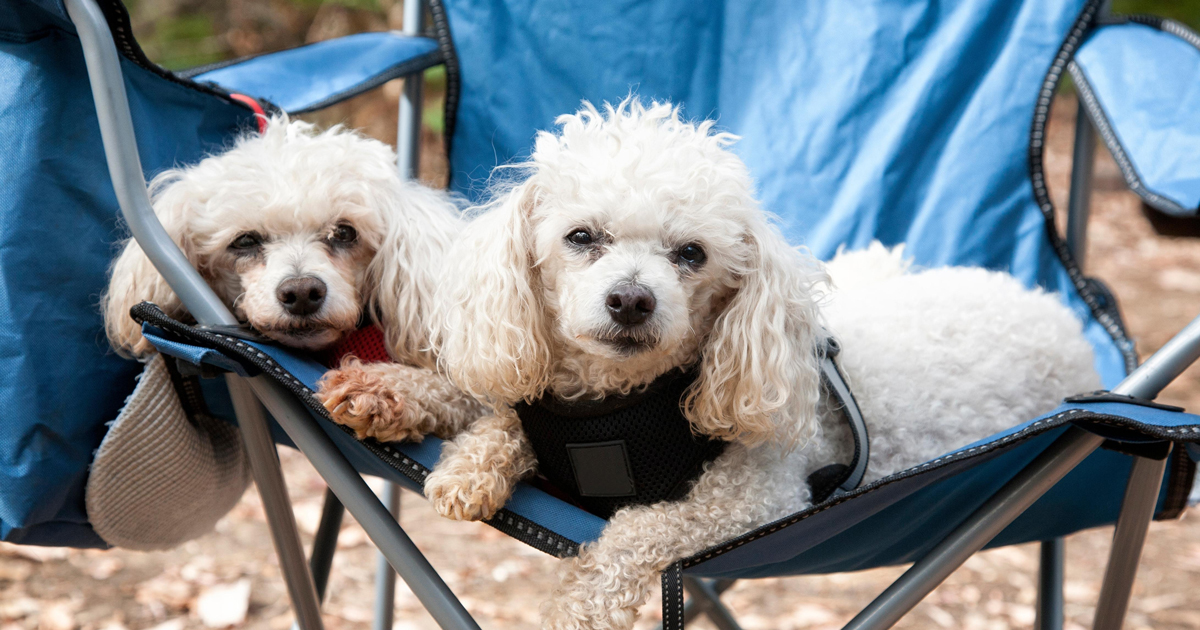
(268, 477)
(385, 577)
(1050, 585)
(320, 561)
(990, 519)
(1079, 203)
(1137, 510)
(381, 527)
(706, 600)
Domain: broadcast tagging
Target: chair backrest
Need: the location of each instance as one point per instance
(881, 119)
(58, 231)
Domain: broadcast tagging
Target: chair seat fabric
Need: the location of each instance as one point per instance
(890, 521)
(1141, 85)
(310, 77)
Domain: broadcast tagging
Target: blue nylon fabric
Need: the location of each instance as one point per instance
(903, 522)
(55, 8)
(296, 80)
(192, 354)
(882, 119)
(1146, 82)
(892, 525)
(58, 230)
(565, 519)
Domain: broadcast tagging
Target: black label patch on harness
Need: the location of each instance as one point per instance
(602, 469)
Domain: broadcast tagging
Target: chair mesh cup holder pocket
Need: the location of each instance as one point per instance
(164, 475)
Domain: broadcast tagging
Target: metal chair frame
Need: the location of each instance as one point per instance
(307, 578)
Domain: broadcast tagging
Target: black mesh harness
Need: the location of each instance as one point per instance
(640, 449)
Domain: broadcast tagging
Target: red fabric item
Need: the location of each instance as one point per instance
(260, 115)
(365, 343)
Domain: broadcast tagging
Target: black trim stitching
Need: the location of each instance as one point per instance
(1192, 433)
(1179, 485)
(1103, 308)
(257, 362)
(441, 32)
(1163, 24)
(672, 597)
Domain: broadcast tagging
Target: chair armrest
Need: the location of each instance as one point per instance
(1139, 82)
(315, 76)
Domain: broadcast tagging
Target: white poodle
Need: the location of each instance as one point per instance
(301, 233)
(635, 248)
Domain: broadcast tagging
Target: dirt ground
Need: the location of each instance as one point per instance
(230, 577)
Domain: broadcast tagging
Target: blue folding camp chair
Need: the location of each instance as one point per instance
(920, 123)
(62, 384)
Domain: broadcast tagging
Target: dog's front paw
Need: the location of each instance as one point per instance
(361, 400)
(587, 598)
(466, 495)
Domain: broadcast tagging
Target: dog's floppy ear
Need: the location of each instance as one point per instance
(495, 340)
(133, 279)
(759, 374)
(409, 267)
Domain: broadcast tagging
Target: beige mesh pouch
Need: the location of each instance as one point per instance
(161, 478)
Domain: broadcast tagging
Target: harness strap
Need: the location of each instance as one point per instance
(835, 479)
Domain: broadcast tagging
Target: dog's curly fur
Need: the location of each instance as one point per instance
(291, 188)
(936, 358)
(285, 193)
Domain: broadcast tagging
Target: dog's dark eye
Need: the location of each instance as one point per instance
(344, 234)
(248, 240)
(580, 237)
(692, 254)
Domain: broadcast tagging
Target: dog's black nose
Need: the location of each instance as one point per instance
(630, 304)
(301, 296)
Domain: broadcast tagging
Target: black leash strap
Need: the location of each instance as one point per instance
(835, 479)
(835, 383)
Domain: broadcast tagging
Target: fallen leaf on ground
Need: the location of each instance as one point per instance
(15, 570)
(104, 568)
(166, 590)
(18, 608)
(224, 605)
(57, 616)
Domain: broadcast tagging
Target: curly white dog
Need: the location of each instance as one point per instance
(636, 247)
(300, 232)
